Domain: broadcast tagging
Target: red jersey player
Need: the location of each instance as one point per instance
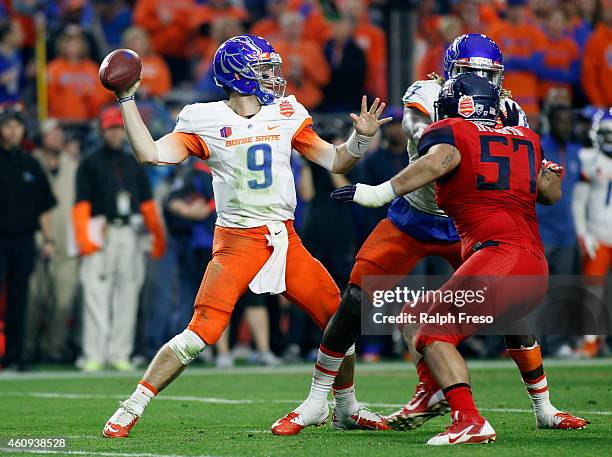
(488, 181)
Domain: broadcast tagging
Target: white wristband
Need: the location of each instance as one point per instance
(357, 144)
(374, 196)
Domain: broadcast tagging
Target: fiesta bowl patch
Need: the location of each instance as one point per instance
(466, 106)
(286, 108)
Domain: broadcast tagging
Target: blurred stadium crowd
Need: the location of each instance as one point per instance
(60, 129)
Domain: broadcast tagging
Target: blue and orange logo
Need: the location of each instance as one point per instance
(226, 132)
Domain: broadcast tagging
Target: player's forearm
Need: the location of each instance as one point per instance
(138, 135)
(349, 153)
(343, 160)
(413, 177)
(440, 160)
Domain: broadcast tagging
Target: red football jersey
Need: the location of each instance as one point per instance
(491, 195)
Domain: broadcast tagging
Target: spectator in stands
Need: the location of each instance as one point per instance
(372, 40)
(156, 80)
(170, 26)
(561, 66)
(73, 86)
(315, 26)
(60, 170)
(522, 45)
(11, 64)
(538, 11)
(475, 16)
(433, 59)
(114, 18)
(112, 193)
(556, 222)
(204, 16)
(584, 14)
(348, 68)
(427, 32)
(304, 64)
(26, 202)
(597, 63)
(77, 17)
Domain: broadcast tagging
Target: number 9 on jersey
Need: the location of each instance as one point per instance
(259, 158)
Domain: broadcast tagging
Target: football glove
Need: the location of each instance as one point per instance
(364, 195)
(554, 167)
(511, 117)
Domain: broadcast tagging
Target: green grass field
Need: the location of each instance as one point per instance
(228, 413)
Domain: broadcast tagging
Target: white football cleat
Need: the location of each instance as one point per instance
(120, 423)
(561, 421)
(294, 422)
(465, 430)
(362, 419)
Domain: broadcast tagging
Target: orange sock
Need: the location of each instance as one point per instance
(529, 362)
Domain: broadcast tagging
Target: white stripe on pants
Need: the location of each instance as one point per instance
(111, 280)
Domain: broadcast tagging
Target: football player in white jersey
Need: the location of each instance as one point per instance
(592, 208)
(247, 142)
(416, 228)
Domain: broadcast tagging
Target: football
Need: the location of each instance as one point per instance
(120, 69)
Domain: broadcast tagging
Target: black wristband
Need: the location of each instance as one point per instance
(126, 99)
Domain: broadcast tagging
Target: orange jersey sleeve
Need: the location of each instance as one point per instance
(175, 146)
(312, 146)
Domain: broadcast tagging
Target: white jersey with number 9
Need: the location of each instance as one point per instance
(249, 158)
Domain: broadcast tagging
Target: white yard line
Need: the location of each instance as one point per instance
(293, 369)
(227, 401)
(100, 453)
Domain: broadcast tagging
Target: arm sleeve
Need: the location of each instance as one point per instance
(437, 133)
(175, 146)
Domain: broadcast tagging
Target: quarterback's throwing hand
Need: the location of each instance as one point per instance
(368, 122)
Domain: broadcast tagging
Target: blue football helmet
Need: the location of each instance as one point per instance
(248, 64)
(601, 131)
(474, 53)
(470, 97)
